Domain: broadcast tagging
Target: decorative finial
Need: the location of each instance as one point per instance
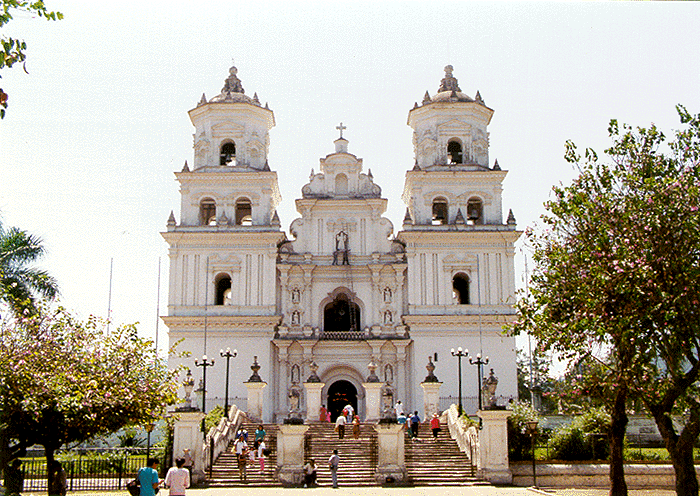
(341, 128)
(369, 174)
(255, 99)
(426, 98)
(203, 100)
(449, 82)
(511, 217)
(459, 218)
(185, 168)
(275, 222)
(232, 84)
(496, 166)
(478, 98)
(171, 219)
(407, 218)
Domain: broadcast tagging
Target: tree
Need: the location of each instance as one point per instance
(616, 277)
(20, 284)
(64, 381)
(12, 50)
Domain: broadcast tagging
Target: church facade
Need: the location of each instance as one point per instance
(342, 290)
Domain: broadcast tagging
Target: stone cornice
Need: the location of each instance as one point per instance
(226, 323)
(461, 322)
(214, 237)
(496, 236)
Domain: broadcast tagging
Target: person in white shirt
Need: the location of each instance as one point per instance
(340, 425)
(398, 408)
(177, 478)
(261, 455)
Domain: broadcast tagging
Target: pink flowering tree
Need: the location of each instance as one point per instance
(616, 281)
(65, 381)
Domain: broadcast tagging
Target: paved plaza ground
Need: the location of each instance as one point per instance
(481, 490)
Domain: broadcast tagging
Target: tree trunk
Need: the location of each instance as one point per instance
(618, 486)
(680, 448)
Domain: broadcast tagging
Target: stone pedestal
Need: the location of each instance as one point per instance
(290, 454)
(493, 446)
(431, 398)
(313, 400)
(255, 400)
(373, 397)
(391, 465)
(188, 434)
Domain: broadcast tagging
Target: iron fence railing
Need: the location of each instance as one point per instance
(90, 469)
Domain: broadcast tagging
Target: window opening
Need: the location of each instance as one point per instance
(341, 184)
(439, 211)
(223, 291)
(454, 152)
(341, 315)
(475, 211)
(244, 213)
(228, 154)
(207, 212)
(460, 288)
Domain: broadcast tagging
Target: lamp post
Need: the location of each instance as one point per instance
(228, 356)
(459, 354)
(479, 363)
(149, 429)
(205, 363)
(532, 430)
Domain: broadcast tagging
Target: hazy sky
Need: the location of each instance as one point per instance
(99, 124)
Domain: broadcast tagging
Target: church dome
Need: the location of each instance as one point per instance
(451, 96)
(233, 91)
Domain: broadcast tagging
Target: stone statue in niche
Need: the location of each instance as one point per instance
(387, 295)
(295, 317)
(388, 373)
(295, 375)
(388, 317)
(296, 296)
(294, 400)
(341, 247)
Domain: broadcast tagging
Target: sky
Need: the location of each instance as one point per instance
(98, 123)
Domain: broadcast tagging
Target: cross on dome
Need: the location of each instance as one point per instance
(340, 128)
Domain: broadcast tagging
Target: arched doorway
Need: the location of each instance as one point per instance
(340, 393)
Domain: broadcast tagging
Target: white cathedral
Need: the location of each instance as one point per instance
(342, 290)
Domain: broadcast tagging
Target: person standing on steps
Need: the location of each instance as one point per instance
(261, 456)
(340, 425)
(415, 422)
(356, 427)
(333, 463)
(322, 413)
(435, 426)
(398, 407)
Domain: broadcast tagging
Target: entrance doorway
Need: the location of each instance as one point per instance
(340, 393)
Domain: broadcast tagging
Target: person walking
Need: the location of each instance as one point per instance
(259, 436)
(14, 478)
(435, 426)
(189, 463)
(310, 473)
(322, 413)
(241, 447)
(415, 422)
(398, 407)
(350, 412)
(401, 419)
(261, 456)
(356, 427)
(333, 463)
(148, 478)
(340, 425)
(178, 478)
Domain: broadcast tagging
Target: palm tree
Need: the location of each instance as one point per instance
(22, 286)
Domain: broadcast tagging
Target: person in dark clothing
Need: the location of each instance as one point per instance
(415, 422)
(14, 478)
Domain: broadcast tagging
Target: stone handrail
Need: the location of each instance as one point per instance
(467, 436)
(221, 435)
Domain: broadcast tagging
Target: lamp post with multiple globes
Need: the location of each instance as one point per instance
(228, 355)
(204, 364)
(479, 363)
(459, 354)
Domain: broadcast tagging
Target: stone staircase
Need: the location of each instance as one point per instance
(437, 463)
(428, 463)
(225, 470)
(358, 457)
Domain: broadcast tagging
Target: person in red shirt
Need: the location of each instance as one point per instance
(435, 426)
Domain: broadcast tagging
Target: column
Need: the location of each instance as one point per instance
(493, 446)
(290, 453)
(391, 465)
(255, 400)
(188, 435)
(313, 400)
(431, 398)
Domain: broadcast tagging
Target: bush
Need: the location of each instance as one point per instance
(584, 439)
(519, 440)
(213, 417)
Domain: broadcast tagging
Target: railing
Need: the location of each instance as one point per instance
(89, 469)
(467, 436)
(219, 437)
(342, 336)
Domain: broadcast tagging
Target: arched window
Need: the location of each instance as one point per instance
(223, 290)
(341, 184)
(439, 211)
(341, 315)
(228, 154)
(460, 288)
(207, 212)
(454, 151)
(244, 212)
(475, 212)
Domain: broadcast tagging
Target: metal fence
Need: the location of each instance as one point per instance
(90, 469)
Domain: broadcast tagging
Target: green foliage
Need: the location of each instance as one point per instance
(13, 50)
(213, 417)
(20, 284)
(519, 440)
(65, 381)
(584, 439)
(131, 438)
